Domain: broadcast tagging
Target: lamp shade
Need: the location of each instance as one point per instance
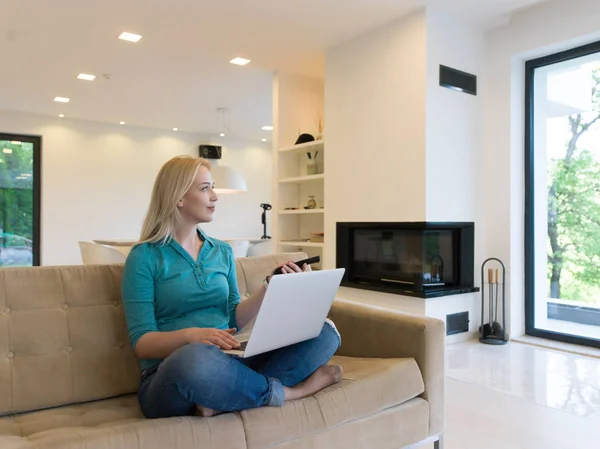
(227, 180)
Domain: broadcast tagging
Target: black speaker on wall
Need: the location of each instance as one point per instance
(457, 80)
(209, 151)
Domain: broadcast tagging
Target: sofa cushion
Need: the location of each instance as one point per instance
(367, 387)
(117, 423)
(63, 337)
(392, 428)
(89, 414)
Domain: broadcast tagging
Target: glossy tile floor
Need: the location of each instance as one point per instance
(546, 377)
(521, 396)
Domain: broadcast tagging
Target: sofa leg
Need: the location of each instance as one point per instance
(439, 444)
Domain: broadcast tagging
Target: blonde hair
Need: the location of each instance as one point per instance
(174, 179)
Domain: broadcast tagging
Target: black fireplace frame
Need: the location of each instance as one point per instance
(464, 246)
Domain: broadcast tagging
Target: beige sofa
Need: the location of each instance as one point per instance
(68, 376)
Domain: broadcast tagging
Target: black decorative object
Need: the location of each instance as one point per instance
(209, 151)
(492, 332)
(304, 138)
(457, 80)
(263, 218)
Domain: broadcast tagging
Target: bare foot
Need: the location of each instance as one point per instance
(323, 377)
(206, 412)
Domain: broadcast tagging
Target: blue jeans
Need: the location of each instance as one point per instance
(200, 374)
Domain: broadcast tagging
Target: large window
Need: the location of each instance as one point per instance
(562, 161)
(19, 200)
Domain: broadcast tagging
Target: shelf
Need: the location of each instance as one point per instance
(301, 211)
(290, 161)
(300, 179)
(302, 244)
(317, 145)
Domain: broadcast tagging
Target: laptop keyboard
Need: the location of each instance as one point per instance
(242, 346)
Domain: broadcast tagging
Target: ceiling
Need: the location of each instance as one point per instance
(178, 74)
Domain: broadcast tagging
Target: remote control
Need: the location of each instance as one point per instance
(308, 261)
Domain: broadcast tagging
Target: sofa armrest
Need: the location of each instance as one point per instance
(375, 332)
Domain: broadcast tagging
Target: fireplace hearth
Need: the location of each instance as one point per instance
(423, 259)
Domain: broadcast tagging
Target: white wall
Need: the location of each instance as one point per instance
(453, 122)
(454, 157)
(297, 104)
(375, 127)
(535, 32)
(97, 180)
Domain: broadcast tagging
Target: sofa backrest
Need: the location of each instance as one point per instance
(251, 271)
(63, 337)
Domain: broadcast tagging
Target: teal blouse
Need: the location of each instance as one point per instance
(164, 289)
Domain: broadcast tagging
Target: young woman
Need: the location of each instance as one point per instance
(182, 308)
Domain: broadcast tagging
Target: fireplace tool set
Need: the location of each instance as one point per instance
(492, 332)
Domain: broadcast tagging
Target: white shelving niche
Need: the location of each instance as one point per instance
(295, 185)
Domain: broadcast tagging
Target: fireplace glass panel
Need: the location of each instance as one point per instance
(419, 258)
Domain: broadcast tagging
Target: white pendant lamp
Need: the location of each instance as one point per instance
(227, 180)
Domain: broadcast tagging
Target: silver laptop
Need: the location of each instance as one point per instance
(294, 309)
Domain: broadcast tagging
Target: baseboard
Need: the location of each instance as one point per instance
(558, 346)
(463, 336)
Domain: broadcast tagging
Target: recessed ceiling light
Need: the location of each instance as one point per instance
(7, 150)
(86, 77)
(222, 134)
(1, 161)
(121, 123)
(174, 129)
(130, 37)
(16, 142)
(267, 128)
(240, 61)
(61, 115)
(264, 140)
(62, 99)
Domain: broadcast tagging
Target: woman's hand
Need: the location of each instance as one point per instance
(223, 339)
(286, 268)
(290, 267)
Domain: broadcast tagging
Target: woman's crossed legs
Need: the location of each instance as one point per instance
(201, 377)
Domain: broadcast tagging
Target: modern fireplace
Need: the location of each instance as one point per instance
(421, 259)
